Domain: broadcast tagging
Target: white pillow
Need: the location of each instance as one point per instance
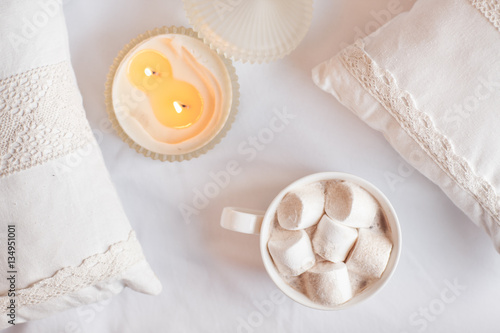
(71, 241)
(429, 80)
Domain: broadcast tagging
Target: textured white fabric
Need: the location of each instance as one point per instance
(434, 72)
(42, 117)
(72, 279)
(74, 244)
(33, 35)
(490, 9)
(214, 279)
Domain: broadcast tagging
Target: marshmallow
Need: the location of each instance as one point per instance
(350, 204)
(328, 283)
(379, 223)
(291, 251)
(332, 240)
(370, 254)
(302, 208)
(358, 283)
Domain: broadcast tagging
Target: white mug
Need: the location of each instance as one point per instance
(257, 222)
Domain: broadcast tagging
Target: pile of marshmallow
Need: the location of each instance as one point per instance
(329, 241)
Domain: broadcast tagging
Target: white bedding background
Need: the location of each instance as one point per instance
(213, 279)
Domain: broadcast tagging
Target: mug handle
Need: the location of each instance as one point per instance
(247, 221)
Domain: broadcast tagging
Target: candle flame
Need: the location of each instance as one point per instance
(178, 107)
(148, 72)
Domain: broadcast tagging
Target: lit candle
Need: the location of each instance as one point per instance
(175, 103)
(171, 94)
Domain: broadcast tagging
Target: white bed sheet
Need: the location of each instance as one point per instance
(214, 280)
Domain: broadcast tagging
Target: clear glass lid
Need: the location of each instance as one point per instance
(251, 30)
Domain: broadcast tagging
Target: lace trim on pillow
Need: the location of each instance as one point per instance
(418, 125)
(41, 117)
(94, 269)
(490, 9)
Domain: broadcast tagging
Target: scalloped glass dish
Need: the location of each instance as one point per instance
(130, 110)
(251, 30)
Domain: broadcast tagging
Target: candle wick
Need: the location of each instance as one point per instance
(148, 71)
(179, 106)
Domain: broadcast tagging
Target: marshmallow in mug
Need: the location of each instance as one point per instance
(358, 282)
(328, 283)
(351, 225)
(370, 254)
(350, 204)
(332, 240)
(291, 251)
(302, 208)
